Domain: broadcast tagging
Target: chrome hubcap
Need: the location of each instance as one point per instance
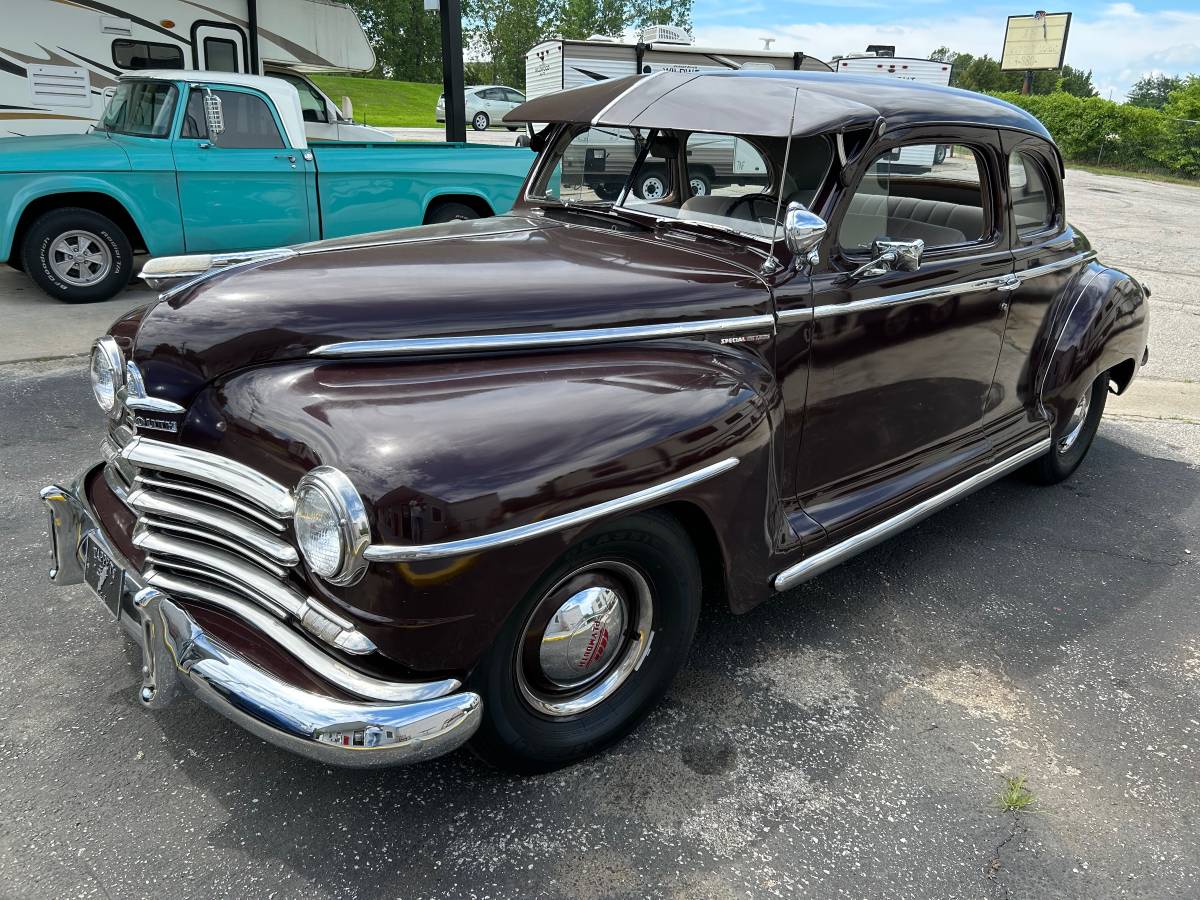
(583, 641)
(1075, 423)
(80, 258)
(480, 122)
(698, 187)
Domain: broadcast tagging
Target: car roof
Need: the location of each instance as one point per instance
(724, 102)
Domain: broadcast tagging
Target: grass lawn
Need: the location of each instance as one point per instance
(400, 104)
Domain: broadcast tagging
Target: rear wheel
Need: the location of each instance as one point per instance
(593, 647)
(652, 185)
(450, 211)
(699, 184)
(1072, 441)
(939, 154)
(77, 255)
(481, 121)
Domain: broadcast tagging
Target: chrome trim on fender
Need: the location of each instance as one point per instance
(538, 339)
(211, 469)
(410, 553)
(839, 553)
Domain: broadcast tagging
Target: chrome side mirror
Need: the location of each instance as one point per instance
(214, 115)
(891, 256)
(802, 232)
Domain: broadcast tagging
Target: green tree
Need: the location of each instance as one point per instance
(406, 39)
(1152, 91)
(502, 31)
(1184, 101)
(583, 18)
(1076, 82)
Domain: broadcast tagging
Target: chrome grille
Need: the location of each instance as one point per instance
(220, 524)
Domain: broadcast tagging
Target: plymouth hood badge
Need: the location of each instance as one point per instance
(148, 412)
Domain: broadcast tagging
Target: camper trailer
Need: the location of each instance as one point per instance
(558, 65)
(881, 60)
(58, 59)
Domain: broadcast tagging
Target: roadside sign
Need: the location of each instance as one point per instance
(1034, 42)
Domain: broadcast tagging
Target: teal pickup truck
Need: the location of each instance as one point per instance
(219, 163)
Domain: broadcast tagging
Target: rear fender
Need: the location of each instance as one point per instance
(1104, 323)
(464, 447)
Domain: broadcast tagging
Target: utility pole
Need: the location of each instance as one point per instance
(1026, 85)
(450, 12)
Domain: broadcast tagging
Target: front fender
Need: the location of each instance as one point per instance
(459, 448)
(150, 198)
(1104, 323)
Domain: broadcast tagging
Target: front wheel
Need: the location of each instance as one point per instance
(77, 255)
(652, 185)
(592, 648)
(481, 121)
(1073, 439)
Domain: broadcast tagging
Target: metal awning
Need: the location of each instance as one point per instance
(709, 102)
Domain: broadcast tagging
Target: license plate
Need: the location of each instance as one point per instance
(103, 575)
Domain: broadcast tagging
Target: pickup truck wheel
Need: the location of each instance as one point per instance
(652, 185)
(481, 121)
(450, 212)
(1073, 438)
(593, 647)
(77, 255)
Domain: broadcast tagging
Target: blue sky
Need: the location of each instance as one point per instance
(1119, 41)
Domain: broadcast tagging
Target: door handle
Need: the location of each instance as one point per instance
(1009, 283)
(290, 157)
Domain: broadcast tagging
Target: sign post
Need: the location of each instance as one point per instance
(1035, 43)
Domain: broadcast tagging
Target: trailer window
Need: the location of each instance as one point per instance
(142, 108)
(129, 54)
(220, 55)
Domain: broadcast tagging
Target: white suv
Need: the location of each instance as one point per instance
(486, 105)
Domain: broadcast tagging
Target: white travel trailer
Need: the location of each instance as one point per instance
(884, 63)
(57, 57)
(558, 65)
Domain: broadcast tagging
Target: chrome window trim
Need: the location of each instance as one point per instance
(415, 552)
(211, 468)
(543, 339)
(826, 559)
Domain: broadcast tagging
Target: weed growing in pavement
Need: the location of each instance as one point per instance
(1016, 796)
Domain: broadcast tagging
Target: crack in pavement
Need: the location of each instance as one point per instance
(992, 870)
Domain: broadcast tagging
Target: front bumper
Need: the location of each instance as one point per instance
(177, 652)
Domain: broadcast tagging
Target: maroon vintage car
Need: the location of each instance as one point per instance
(374, 497)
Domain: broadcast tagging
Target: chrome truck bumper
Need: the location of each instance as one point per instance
(177, 652)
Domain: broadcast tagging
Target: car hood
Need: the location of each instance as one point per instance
(62, 153)
(503, 275)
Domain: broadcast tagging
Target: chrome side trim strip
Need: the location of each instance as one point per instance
(839, 553)
(325, 666)
(996, 282)
(212, 469)
(538, 339)
(409, 553)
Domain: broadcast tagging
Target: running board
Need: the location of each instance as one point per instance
(839, 553)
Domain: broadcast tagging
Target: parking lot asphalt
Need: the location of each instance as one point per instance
(848, 738)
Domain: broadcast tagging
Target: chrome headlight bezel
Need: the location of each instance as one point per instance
(353, 529)
(106, 352)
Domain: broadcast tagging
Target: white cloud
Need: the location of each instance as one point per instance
(1119, 46)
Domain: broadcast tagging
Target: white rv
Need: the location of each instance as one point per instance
(558, 65)
(57, 58)
(886, 65)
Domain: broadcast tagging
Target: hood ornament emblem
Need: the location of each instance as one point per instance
(148, 412)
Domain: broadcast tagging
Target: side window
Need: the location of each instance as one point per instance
(513, 96)
(129, 54)
(220, 55)
(248, 121)
(492, 94)
(929, 191)
(312, 104)
(1032, 194)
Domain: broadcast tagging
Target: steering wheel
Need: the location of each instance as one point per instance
(750, 200)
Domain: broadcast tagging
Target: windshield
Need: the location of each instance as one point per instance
(142, 108)
(722, 180)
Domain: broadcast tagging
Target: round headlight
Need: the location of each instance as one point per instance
(106, 370)
(331, 526)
